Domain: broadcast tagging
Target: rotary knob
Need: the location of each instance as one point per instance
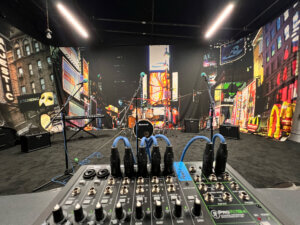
(99, 214)
(139, 210)
(78, 213)
(58, 215)
(158, 210)
(119, 211)
(178, 208)
(197, 207)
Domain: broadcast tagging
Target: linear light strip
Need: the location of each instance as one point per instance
(221, 18)
(72, 20)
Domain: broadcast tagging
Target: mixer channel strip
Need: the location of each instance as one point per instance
(94, 197)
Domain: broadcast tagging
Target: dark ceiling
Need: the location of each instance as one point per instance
(136, 22)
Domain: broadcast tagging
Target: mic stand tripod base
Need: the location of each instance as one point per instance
(68, 172)
(66, 176)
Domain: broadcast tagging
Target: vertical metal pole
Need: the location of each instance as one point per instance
(136, 123)
(65, 141)
(211, 121)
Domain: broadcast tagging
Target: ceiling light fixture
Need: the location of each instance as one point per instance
(72, 20)
(221, 18)
(48, 31)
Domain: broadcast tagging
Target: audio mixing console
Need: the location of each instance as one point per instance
(186, 196)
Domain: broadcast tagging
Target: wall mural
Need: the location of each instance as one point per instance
(254, 81)
(27, 89)
(266, 104)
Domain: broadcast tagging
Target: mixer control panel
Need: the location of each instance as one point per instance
(93, 197)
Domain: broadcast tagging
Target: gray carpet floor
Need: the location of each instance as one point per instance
(261, 161)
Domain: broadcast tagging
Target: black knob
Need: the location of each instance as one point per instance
(178, 208)
(99, 212)
(119, 211)
(78, 213)
(58, 215)
(158, 209)
(197, 207)
(139, 210)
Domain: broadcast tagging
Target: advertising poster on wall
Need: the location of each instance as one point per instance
(76, 110)
(244, 108)
(159, 58)
(251, 100)
(145, 89)
(48, 110)
(175, 86)
(229, 90)
(4, 73)
(29, 102)
(70, 78)
(72, 55)
(216, 120)
(85, 74)
(236, 111)
(209, 60)
(218, 94)
(233, 51)
(159, 88)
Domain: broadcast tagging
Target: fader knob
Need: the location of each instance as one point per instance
(78, 213)
(178, 208)
(139, 210)
(197, 207)
(158, 209)
(58, 215)
(99, 212)
(119, 211)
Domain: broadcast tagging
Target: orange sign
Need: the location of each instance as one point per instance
(85, 73)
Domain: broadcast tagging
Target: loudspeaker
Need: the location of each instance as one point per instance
(191, 125)
(230, 131)
(32, 142)
(8, 137)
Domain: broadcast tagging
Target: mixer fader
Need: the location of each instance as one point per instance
(93, 196)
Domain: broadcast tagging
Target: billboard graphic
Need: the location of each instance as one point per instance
(29, 102)
(70, 77)
(85, 74)
(236, 111)
(159, 58)
(145, 89)
(212, 78)
(233, 51)
(209, 61)
(72, 55)
(175, 86)
(76, 110)
(4, 73)
(159, 88)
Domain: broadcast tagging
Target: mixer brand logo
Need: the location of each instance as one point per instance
(226, 214)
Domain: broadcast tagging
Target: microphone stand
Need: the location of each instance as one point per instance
(211, 108)
(131, 101)
(134, 97)
(136, 113)
(68, 173)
